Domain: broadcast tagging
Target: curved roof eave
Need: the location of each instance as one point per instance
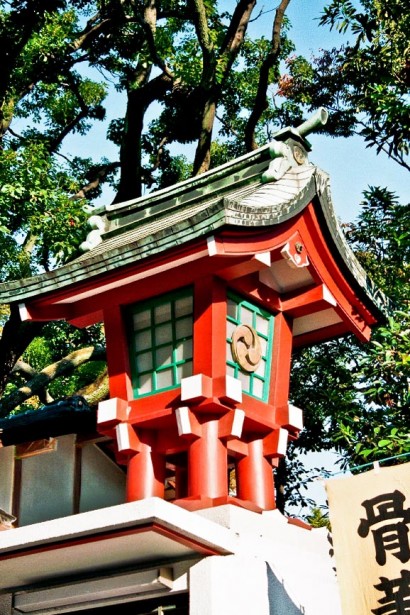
(246, 203)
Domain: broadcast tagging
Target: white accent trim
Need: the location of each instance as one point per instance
(294, 260)
(183, 420)
(123, 436)
(282, 441)
(233, 389)
(264, 258)
(193, 387)
(23, 312)
(91, 593)
(107, 410)
(316, 321)
(328, 297)
(237, 424)
(295, 417)
(211, 243)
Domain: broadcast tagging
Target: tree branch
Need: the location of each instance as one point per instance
(160, 152)
(80, 116)
(215, 71)
(89, 33)
(24, 369)
(15, 338)
(178, 13)
(227, 126)
(99, 175)
(96, 391)
(202, 28)
(48, 374)
(261, 102)
(131, 152)
(149, 23)
(383, 148)
(235, 34)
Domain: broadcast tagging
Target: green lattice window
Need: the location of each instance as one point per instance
(241, 312)
(161, 342)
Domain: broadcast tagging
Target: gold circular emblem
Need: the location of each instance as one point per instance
(298, 154)
(246, 348)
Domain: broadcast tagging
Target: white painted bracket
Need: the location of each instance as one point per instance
(196, 388)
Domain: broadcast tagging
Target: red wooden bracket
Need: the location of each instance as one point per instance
(231, 424)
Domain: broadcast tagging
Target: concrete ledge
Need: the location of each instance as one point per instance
(133, 534)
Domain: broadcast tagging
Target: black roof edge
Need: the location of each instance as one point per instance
(67, 416)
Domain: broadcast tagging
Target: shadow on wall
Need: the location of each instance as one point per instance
(279, 601)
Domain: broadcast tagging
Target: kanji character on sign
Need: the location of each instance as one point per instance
(387, 537)
(397, 595)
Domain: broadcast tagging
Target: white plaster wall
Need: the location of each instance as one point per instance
(271, 567)
(47, 484)
(300, 571)
(229, 585)
(5, 604)
(6, 477)
(102, 481)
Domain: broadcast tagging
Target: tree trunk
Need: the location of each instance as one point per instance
(130, 153)
(16, 336)
(271, 59)
(139, 99)
(203, 151)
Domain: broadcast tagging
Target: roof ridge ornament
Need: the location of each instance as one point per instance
(98, 225)
(289, 147)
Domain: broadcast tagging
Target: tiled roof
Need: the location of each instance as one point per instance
(233, 194)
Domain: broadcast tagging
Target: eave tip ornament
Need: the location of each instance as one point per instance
(290, 148)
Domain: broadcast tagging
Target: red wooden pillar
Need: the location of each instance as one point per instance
(146, 470)
(281, 362)
(117, 353)
(208, 464)
(255, 478)
(210, 327)
(207, 455)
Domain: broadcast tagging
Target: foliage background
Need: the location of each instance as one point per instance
(200, 85)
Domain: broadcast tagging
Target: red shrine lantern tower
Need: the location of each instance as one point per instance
(204, 289)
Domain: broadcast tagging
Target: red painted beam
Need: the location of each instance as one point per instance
(210, 327)
(307, 301)
(281, 361)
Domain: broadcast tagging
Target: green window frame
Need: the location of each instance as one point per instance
(242, 312)
(161, 342)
